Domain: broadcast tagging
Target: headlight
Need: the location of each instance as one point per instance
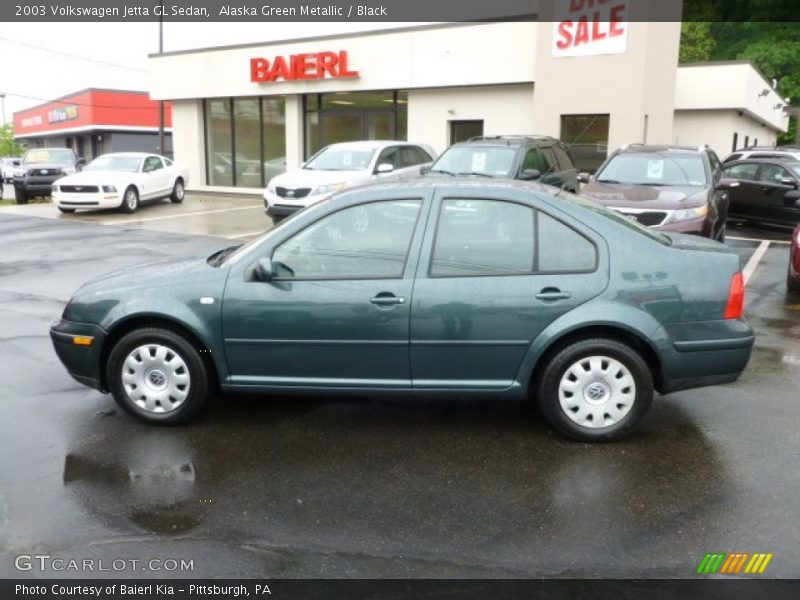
(686, 214)
(55, 188)
(19, 172)
(330, 188)
(68, 170)
(109, 189)
(271, 188)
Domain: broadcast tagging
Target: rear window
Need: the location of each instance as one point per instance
(477, 160)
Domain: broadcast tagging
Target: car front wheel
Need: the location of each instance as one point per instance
(130, 201)
(595, 390)
(158, 377)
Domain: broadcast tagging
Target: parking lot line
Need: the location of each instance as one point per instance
(751, 265)
(746, 239)
(179, 215)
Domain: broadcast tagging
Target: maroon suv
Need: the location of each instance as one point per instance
(669, 188)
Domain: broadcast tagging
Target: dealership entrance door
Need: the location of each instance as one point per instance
(348, 117)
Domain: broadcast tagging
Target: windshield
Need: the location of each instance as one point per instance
(477, 160)
(613, 215)
(114, 163)
(655, 168)
(340, 159)
(58, 156)
(794, 167)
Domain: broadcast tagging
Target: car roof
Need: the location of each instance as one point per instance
(370, 144)
(130, 154)
(467, 185)
(759, 161)
(507, 140)
(642, 149)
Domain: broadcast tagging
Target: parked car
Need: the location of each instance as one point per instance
(7, 166)
(388, 288)
(39, 168)
(791, 153)
(341, 166)
(769, 190)
(793, 275)
(668, 188)
(525, 157)
(121, 180)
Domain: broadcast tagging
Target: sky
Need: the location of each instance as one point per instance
(37, 68)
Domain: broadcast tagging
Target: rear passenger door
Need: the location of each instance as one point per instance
(494, 273)
(773, 190)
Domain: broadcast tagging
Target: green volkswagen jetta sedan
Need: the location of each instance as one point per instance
(434, 286)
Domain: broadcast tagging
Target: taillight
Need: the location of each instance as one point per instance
(734, 309)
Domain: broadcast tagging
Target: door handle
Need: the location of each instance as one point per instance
(552, 294)
(387, 299)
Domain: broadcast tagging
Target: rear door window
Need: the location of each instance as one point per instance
(772, 174)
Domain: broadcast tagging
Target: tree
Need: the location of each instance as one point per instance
(697, 45)
(8, 145)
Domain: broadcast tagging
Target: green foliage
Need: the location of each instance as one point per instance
(8, 145)
(697, 45)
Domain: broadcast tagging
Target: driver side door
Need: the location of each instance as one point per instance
(337, 312)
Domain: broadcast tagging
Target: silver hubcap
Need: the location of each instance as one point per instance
(130, 199)
(597, 391)
(179, 190)
(156, 378)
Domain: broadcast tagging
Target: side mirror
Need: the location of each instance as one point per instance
(384, 168)
(263, 270)
(81, 162)
(530, 175)
(788, 181)
(727, 184)
(424, 169)
(792, 199)
(584, 177)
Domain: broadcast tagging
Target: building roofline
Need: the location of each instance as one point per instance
(332, 36)
(62, 99)
(723, 63)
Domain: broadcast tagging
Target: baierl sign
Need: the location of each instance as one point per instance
(590, 27)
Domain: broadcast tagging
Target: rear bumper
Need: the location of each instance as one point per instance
(82, 362)
(705, 353)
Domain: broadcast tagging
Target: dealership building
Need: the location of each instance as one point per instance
(96, 121)
(244, 113)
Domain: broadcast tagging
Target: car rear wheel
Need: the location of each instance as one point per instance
(130, 201)
(67, 211)
(595, 390)
(178, 192)
(158, 377)
(20, 196)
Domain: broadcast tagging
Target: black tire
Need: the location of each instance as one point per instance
(130, 203)
(277, 219)
(792, 285)
(558, 368)
(198, 386)
(178, 192)
(67, 211)
(20, 196)
(721, 233)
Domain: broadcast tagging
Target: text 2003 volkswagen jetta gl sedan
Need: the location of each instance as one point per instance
(501, 289)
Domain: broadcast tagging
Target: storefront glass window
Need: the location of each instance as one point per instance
(252, 149)
(586, 136)
(351, 116)
(219, 142)
(273, 131)
(247, 142)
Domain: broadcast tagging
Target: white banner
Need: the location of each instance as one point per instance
(590, 27)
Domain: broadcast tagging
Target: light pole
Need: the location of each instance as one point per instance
(161, 149)
(3, 124)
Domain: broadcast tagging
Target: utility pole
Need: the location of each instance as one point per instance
(3, 125)
(161, 149)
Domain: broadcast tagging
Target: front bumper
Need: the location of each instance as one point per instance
(36, 187)
(276, 206)
(92, 200)
(81, 361)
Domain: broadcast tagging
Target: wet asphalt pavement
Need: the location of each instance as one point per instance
(274, 487)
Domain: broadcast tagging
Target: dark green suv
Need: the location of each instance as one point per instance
(525, 157)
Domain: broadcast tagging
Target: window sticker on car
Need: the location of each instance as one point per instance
(655, 169)
(478, 161)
